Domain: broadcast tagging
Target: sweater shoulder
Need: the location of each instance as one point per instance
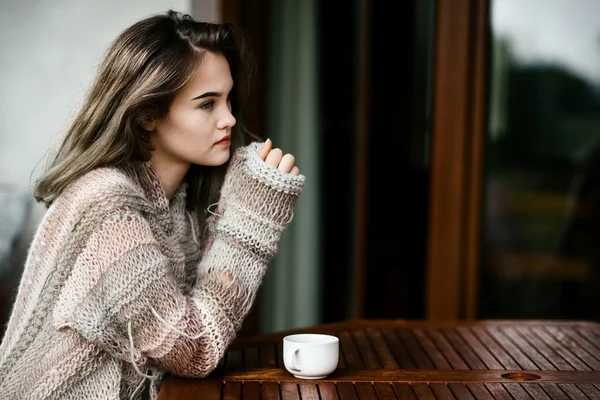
(105, 187)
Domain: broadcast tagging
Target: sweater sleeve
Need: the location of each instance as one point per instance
(121, 295)
(257, 203)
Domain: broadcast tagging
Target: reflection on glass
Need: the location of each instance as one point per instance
(541, 255)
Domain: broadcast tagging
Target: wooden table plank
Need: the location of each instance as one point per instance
(536, 392)
(511, 349)
(553, 391)
(590, 342)
(574, 361)
(268, 358)
(423, 391)
(234, 359)
(466, 353)
(481, 352)
(590, 390)
(381, 348)
(251, 391)
(591, 335)
(573, 341)
(499, 353)
(480, 392)
(434, 354)
(532, 352)
(192, 390)
(270, 391)
(366, 391)
(440, 341)
(441, 391)
(498, 391)
(308, 391)
(414, 349)
(279, 355)
(289, 391)
(251, 358)
(517, 392)
(328, 391)
(342, 360)
(534, 340)
(460, 391)
(378, 390)
(404, 391)
(232, 391)
(347, 391)
(572, 390)
(351, 353)
(366, 350)
(399, 352)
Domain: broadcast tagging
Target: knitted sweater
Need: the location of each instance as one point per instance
(116, 290)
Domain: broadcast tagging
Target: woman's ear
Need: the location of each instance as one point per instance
(147, 119)
(149, 125)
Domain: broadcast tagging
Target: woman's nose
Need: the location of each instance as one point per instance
(227, 121)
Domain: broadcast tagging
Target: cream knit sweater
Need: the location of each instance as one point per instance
(116, 290)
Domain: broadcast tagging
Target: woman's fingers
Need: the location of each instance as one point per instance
(274, 157)
(287, 163)
(265, 149)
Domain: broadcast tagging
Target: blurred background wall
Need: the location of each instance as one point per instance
(49, 52)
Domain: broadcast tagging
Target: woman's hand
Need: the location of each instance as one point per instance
(275, 157)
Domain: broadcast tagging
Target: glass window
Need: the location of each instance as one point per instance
(541, 255)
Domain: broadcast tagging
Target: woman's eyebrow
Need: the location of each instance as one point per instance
(207, 94)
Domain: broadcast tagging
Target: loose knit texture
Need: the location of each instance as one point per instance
(116, 291)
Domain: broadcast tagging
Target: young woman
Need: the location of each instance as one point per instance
(163, 215)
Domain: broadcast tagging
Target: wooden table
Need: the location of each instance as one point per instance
(416, 360)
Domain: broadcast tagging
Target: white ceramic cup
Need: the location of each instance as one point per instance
(310, 355)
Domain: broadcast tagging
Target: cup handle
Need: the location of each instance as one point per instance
(289, 360)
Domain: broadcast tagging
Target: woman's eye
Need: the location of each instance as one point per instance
(208, 105)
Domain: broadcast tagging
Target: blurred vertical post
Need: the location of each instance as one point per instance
(291, 294)
(457, 146)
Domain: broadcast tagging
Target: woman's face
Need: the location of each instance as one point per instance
(197, 128)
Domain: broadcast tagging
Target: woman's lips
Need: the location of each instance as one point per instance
(226, 141)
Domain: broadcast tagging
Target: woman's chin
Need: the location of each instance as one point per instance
(215, 161)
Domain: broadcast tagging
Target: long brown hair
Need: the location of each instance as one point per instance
(142, 71)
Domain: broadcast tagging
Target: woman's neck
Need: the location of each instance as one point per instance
(169, 173)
